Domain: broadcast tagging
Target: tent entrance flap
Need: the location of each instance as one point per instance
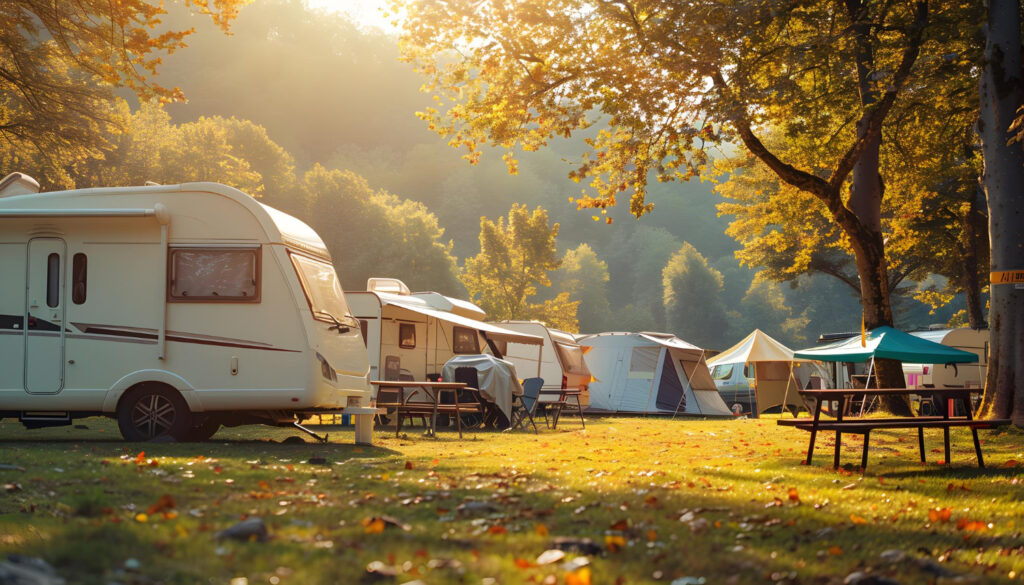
(671, 395)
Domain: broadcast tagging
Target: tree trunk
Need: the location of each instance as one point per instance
(866, 193)
(970, 279)
(1002, 92)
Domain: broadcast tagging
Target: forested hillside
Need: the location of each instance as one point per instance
(317, 117)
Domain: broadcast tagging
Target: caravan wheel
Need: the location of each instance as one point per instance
(148, 412)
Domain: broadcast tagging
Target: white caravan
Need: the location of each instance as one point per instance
(174, 308)
(559, 361)
(948, 376)
(410, 336)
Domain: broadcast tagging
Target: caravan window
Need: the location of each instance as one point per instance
(214, 275)
(79, 268)
(723, 372)
(53, 280)
(465, 340)
(406, 336)
(323, 291)
(571, 357)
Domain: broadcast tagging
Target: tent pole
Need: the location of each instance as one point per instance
(867, 384)
(688, 382)
(752, 393)
(785, 397)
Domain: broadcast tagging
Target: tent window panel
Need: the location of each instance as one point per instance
(723, 372)
(465, 340)
(643, 361)
(406, 336)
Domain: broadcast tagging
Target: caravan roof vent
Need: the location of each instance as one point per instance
(387, 285)
(18, 184)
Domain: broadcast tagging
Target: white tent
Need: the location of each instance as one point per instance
(775, 378)
(650, 373)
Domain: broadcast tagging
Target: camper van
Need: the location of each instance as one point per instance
(559, 361)
(948, 376)
(173, 308)
(410, 335)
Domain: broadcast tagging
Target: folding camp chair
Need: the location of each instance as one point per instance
(523, 407)
(471, 379)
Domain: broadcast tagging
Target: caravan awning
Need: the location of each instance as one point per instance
(490, 331)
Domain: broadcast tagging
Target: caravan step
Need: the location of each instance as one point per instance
(35, 419)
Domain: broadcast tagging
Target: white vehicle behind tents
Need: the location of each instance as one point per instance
(175, 308)
(943, 376)
(650, 373)
(410, 336)
(561, 363)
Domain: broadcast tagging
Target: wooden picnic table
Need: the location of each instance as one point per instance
(945, 398)
(433, 392)
(558, 400)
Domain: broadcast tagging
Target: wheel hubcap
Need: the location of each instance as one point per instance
(153, 415)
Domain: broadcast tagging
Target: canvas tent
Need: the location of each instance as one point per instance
(774, 380)
(649, 373)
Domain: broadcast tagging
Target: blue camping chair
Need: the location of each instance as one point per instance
(527, 403)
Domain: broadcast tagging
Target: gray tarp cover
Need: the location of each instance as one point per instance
(498, 379)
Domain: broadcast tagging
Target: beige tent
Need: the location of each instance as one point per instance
(774, 382)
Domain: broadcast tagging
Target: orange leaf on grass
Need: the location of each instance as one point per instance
(497, 529)
(578, 577)
(794, 496)
(835, 551)
(141, 457)
(373, 525)
(408, 465)
(939, 514)
(620, 525)
(523, 563)
(614, 542)
(857, 519)
(540, 529)
(166, 502)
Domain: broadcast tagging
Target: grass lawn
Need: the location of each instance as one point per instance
(662, 500)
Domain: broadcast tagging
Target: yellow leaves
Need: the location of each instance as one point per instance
(373, 525)
(578, 577)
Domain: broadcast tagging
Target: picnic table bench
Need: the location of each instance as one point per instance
(944, 397)
(404, 406)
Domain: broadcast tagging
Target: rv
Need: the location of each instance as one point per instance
(949, 376)
(174, 309)
(410, 336)
(559, 361)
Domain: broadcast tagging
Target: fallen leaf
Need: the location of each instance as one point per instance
(522, 563)
(614, 542)
(497, 529)
(793, 495)
(540, 529)
(166, 502)
(550, 556)
(408, 465)
(835, 551)
(857, 519)
(939, 514)
(578, 577)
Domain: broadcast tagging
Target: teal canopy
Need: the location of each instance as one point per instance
(888, 343)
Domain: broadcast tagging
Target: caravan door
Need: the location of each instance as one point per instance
(44, 316)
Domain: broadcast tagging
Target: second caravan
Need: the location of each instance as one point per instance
(559, 361)
(410, 336)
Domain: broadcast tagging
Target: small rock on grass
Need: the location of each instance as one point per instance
(20, 570)
(861, 578)
(252, 528)
(584, 546)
